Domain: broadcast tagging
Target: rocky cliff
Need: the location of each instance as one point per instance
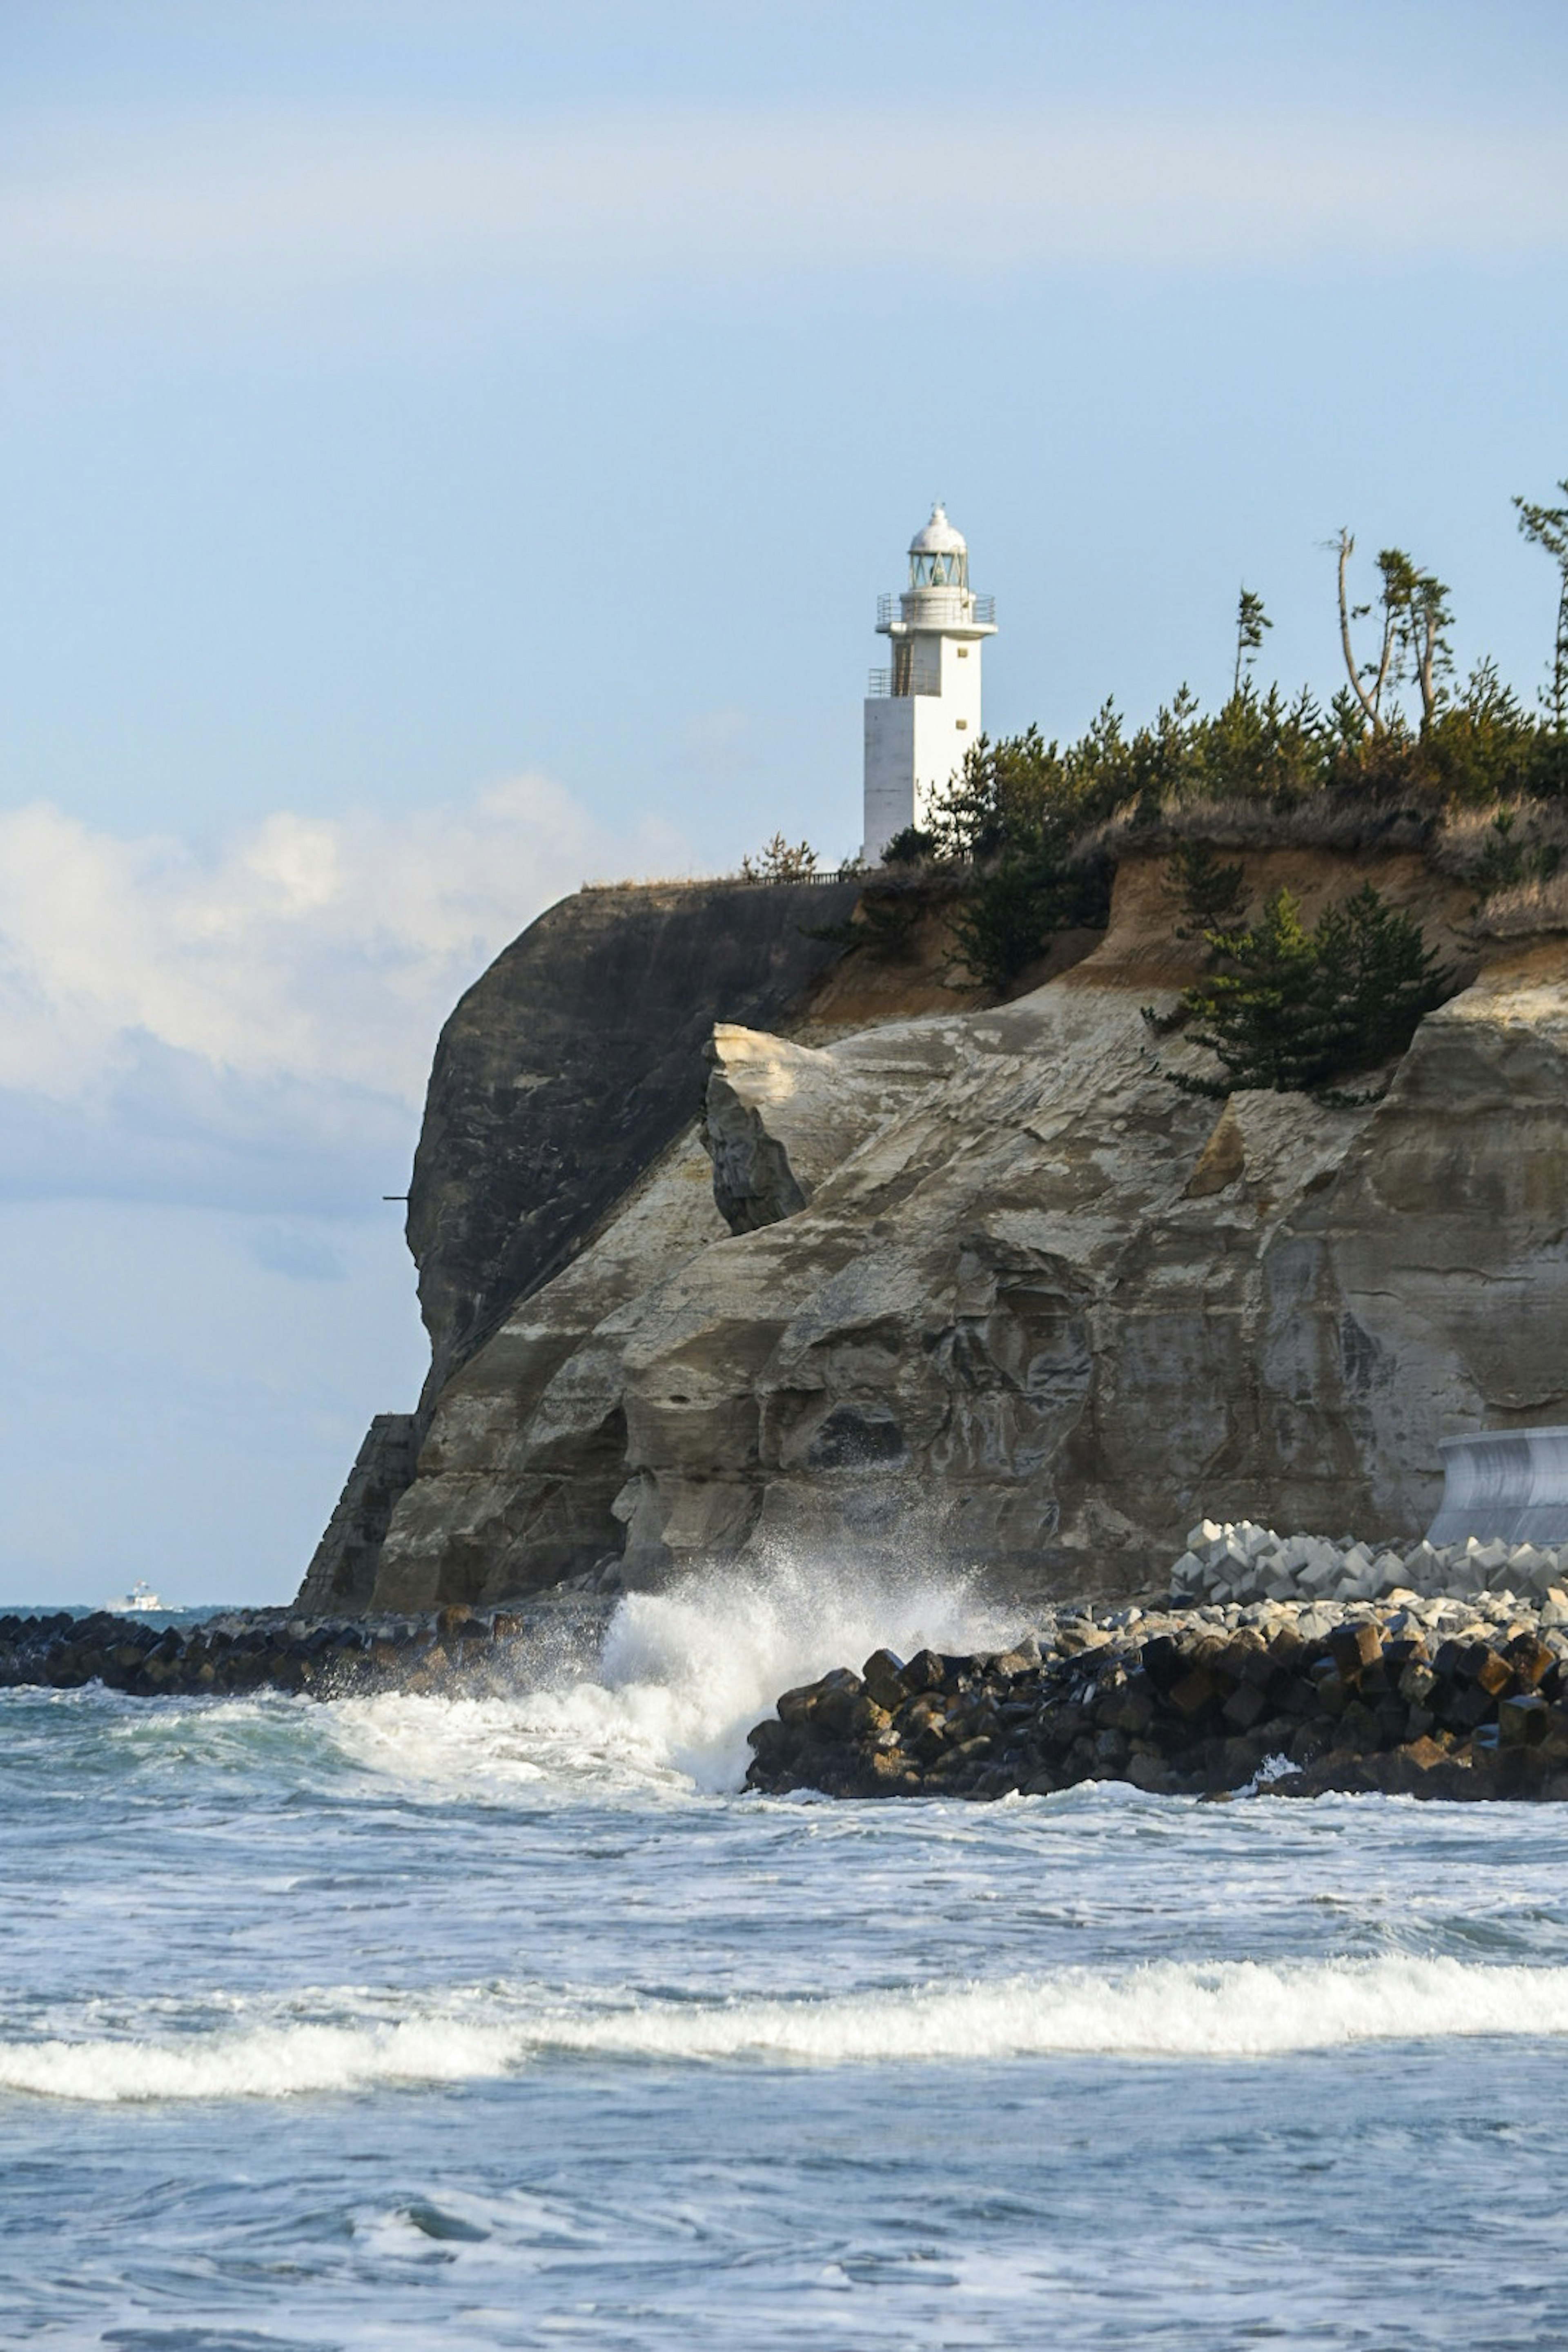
(571, 1063)
(559, 1077)
(979, 1281)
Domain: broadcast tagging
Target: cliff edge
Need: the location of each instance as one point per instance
(558, 1077)
(981, 1283)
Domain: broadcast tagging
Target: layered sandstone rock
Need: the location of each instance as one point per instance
(559, 1079)
(342, 1570)
(525, 1457)
(988, 1285)
(781, 1117)
(574, 1062)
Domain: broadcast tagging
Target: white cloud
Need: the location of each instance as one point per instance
(253, 1022)
(222, 203)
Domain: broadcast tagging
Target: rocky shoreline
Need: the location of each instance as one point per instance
(1413, 1695)
(454, 1649)
(1443, 1696)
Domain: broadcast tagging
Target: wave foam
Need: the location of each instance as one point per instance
(1226, 2010)
(681, 1678)
(1223, 2009)
(266, 2062)
(696, 1666)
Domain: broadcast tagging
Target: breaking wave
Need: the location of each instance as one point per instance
(266, 2063)
(681, 1678)
(1230, 2010)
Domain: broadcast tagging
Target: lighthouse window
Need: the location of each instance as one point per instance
(961, 722)
(944, 570)
(963, 653)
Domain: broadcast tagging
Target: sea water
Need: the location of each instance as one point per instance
(402, 2022)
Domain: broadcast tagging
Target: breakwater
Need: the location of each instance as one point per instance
(1241, 1561)
(1446, 1695)
(451, 1649)
(1432, 1698)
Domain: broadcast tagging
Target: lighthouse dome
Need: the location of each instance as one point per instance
(939, 555)
(938, 536)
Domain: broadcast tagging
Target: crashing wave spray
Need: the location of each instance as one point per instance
(681, 1678)
(721, 1644)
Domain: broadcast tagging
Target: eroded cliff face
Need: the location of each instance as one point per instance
(987, 1285)
(525, 1457)
(571, 1065)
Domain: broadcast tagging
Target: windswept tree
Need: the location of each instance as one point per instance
(1251, 620)
(1415, 618)
(1547, 528)
(1427, 619)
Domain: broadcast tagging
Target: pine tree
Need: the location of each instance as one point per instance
(1296, 1008)
(1258, 1016)
(780, 861)
(1547, 528)
(1007, 919)
(1377, 977)
(1209, 894)
(1414, 619)
(1251, 620)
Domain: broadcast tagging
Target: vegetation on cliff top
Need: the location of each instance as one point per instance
(1466, 773)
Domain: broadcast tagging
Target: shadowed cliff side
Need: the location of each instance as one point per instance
(561, 1076)
(570, 1066)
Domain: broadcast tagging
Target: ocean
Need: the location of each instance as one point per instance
(406, 2022)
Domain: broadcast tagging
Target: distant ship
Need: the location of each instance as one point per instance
(140, 1597)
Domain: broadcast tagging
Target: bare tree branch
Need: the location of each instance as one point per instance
(1346, 549)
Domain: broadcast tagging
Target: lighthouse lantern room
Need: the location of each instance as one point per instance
(922, 713)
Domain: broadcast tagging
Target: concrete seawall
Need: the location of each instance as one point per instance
(1508, 1485)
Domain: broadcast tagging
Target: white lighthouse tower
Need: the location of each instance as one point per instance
(923, 713)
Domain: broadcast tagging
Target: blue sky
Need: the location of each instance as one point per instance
(447, 452)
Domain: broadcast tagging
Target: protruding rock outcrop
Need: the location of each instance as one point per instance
(342, 1570)
(986, 1284)
(560, 1079)
(780, 1118)
(575, 1061)
(524, 1463)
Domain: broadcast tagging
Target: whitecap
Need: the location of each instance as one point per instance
(1221, 2010)
(264, 2063)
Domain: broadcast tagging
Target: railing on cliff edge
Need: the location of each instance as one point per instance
(854, 871)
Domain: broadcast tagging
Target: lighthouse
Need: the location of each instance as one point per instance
(922, 713)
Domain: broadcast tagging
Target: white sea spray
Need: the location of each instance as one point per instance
(682, 1676)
